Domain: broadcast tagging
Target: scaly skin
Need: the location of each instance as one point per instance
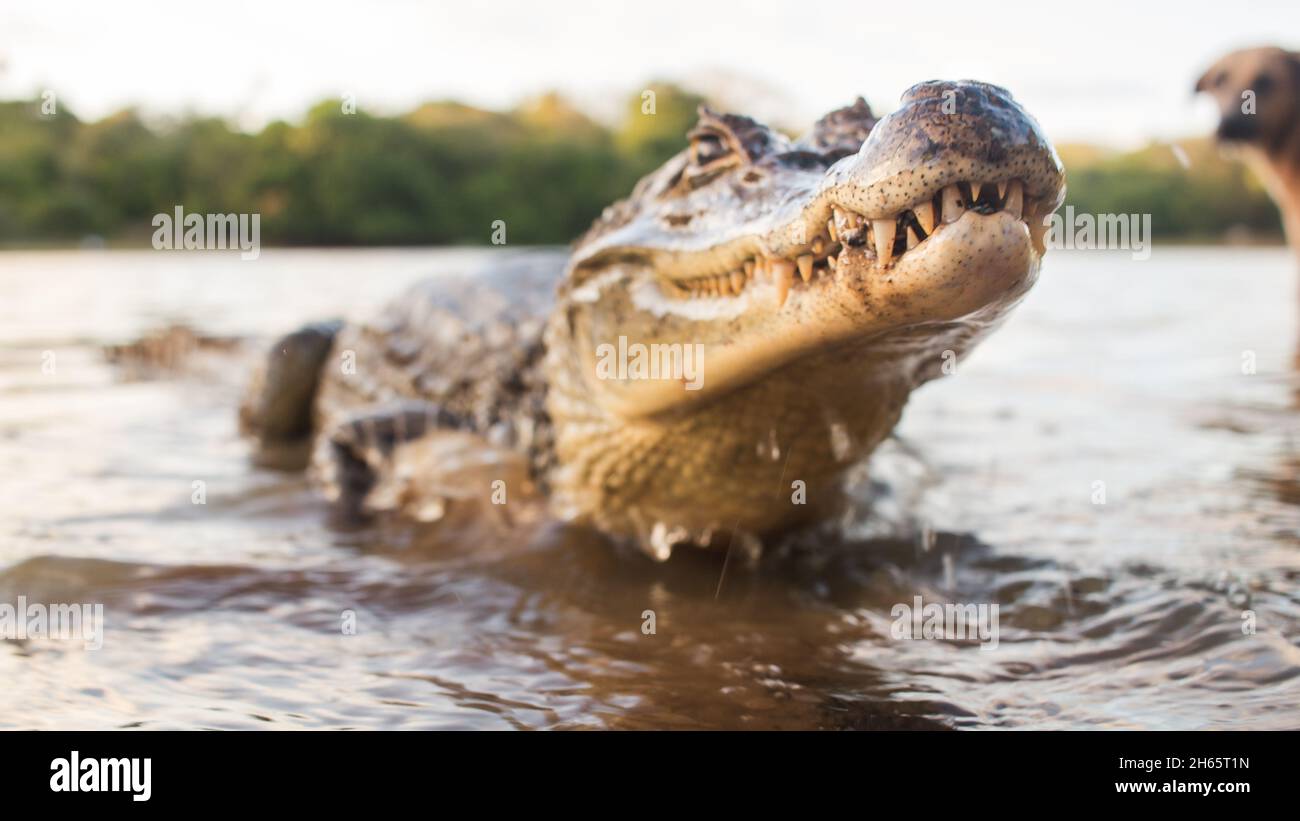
(775, 258)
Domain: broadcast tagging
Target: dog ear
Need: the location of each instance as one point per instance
(1202, 83)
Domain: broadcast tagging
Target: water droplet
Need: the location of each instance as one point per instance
(927, 538)
(662, 538)
(841, 444)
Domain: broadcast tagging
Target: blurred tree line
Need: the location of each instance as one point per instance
(1191, 191)
(444, 172)
(439, 174)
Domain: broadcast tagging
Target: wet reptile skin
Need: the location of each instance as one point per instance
(792, 264)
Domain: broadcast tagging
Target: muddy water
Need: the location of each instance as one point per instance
(229, 614)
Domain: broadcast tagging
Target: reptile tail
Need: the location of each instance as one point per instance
(277, 410)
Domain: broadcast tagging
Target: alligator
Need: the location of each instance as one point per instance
(792, 293)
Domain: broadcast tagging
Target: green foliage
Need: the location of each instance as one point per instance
(444, 172)
(1212, 199)
(646, 139)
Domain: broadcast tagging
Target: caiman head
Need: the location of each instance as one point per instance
(746, 327)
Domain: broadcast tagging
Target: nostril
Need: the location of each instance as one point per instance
(1237, 127)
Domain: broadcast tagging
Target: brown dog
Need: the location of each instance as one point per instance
(1258, 93)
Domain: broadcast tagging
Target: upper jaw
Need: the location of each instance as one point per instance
(945, 134)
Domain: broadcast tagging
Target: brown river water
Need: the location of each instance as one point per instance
(1130, 613)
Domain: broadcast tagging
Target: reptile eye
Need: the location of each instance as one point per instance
(707, 149)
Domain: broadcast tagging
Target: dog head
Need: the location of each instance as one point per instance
(1258, 94)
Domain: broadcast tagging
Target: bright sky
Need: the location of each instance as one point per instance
(1116, 72)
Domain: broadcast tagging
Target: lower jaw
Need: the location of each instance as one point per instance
(970, 272)
(861, 267)
(973, 263)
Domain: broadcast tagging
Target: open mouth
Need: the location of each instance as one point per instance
(882, 241)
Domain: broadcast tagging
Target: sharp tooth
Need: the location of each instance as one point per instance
(1002, 190)
(913, 238)
(884, 231)
(737, 281)
(748, 268)
(953, 204)
(723, 284)
(805, 262)
(1015, 200)
(925, 215)
(831, 262)
(818, 246)
(784, 271)
(830, 226)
